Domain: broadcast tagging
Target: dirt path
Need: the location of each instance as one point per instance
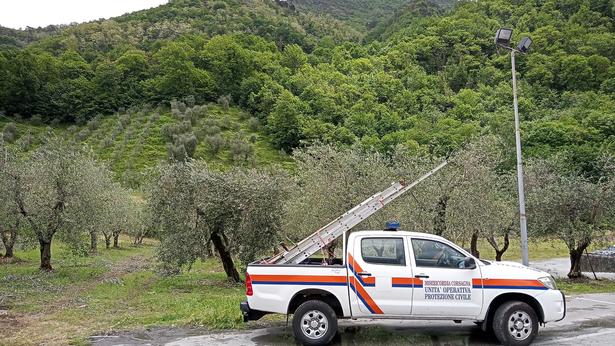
(32, 326)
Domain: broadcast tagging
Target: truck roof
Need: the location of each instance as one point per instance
(402, 233)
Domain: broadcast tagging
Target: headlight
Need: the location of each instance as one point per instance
(549, 282)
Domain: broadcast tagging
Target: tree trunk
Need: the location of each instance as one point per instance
(499, 253)
(474, 245)
(116, 239)
(440, 219)
(8, 239)
(107, 240)
(494, 244)
(225, 257)
(575, 261)
(93, 242)
(45, 247)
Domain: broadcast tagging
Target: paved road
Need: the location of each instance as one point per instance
(559, 267)
(590, 321)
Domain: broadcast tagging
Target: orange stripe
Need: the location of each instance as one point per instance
(368, 299)
(510, 282)
(354, 264)
(407, 281)
(299, 278)
(357, 284)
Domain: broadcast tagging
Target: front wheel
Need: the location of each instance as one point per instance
(515, 324)
(314, 323)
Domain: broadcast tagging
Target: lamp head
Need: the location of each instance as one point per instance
(524, 45)
(503, 36)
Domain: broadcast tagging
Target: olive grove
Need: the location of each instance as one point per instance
(55, 190)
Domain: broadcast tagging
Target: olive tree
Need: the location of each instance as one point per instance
(480, 204)
(10, 220)
(53, 193)
(575, 208)
(238, 212)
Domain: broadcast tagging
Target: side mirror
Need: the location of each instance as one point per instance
(467, 263)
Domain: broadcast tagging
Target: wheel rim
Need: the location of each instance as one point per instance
(314, 324)
(520, 325)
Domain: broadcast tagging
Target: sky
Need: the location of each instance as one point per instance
(34, 13)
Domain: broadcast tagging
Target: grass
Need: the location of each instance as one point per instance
(544, 249)
(585, 285)
(115, 290)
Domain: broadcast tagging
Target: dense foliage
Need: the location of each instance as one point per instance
(423, 82)
(426, 82)
(235, 213)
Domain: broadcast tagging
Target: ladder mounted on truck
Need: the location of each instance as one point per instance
(324, 236)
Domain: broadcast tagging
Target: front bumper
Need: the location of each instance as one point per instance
(564, 299)
(250, 314)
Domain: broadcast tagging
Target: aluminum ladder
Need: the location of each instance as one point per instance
(324, 236)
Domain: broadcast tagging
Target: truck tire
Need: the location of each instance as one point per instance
(314, 323)
(515, 324)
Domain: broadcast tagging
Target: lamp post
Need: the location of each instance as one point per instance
(502, 39)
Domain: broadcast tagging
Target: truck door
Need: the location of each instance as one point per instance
(380, 276)
(446, 287)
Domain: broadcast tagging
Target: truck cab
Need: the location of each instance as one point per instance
(403, 275)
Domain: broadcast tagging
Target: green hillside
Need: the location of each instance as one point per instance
(136, 140)
(426, 79)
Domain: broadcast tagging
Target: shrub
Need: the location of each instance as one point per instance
(224, 101)
(26, 141)
(10, 132)
(215, 143)
(190, 101)
(241, 150)
(212, 130)
(36, 119)
(82, 135)
(125, 119)
(94, 124)
(107, 143)
(253, 124)
(226, 124)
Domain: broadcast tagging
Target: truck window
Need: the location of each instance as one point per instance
(431, 253)
(383, 251)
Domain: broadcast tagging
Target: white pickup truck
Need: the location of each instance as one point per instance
(404, 275)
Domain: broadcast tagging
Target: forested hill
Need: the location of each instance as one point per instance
(365, 14)
(265, 18)
(426, 80)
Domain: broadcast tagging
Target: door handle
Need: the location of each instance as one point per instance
(422, 276)
(364, 274)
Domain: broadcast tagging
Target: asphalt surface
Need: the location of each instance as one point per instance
(559, 267)
(590, 320)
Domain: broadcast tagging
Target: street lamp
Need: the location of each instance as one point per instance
(502, 39)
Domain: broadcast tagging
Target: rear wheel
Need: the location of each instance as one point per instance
(515, 324)
(314, 323)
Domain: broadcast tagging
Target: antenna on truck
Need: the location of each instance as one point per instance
(324, 236)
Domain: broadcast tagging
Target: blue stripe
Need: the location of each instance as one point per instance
(402, 285)
(361, 298)
(298, 283)
(418, 286)
(513, 287)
